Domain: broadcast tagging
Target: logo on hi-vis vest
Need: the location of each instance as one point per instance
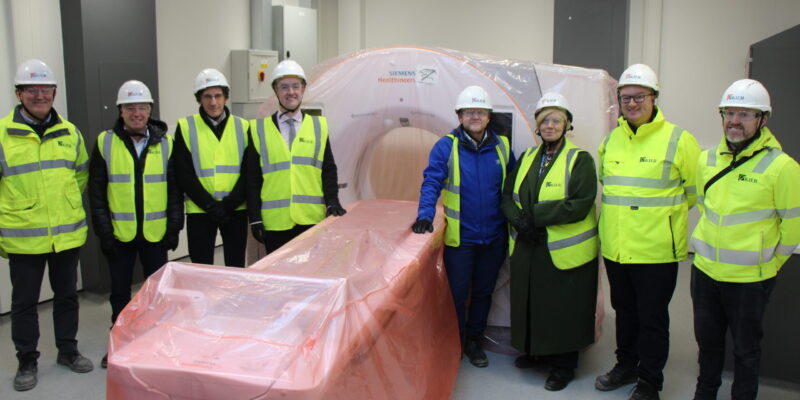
(647, 160)
(63, 144)
(552, 184)
(304, 140)
(745, 178)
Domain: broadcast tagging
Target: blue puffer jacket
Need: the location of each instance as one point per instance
(481, 184)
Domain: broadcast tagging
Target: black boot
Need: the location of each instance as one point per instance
(473, 351)
(644, 391)
(559, 379)
(618, 376)
(26, 373)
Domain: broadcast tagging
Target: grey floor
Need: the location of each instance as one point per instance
(501, 380)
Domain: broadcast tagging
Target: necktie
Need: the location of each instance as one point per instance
(292, 132)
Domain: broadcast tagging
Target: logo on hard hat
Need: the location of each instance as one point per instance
(211, 80)
(732, 96)
(131, 93)
(548, 101)
(478, 100)
(38, 75)
(632, 76)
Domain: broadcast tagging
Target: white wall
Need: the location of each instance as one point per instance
(30, 29)
(505, 28)
(704, 47)
(193, 35)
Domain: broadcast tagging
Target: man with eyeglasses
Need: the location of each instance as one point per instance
(137, 208)
(647, 168)
(209, 158)
(470, 166)
(292, 176)
(749, 226)
(43, 171)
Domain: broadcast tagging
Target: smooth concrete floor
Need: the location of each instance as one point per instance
(501, 380)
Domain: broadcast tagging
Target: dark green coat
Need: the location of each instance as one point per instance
(552, 310)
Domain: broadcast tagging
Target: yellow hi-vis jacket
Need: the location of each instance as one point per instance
(292, 190)
(217, 162)
(648, 182)
(122, 191)
(750, 218)
(570, 245)
(452, 188)
(41, 208)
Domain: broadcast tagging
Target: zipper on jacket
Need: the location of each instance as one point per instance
(672, 236)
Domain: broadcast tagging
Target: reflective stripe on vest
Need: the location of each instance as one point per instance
(570, 245)
(41, 207)
(222, 166)
(452, 188)
(294, 195)
(121, 190)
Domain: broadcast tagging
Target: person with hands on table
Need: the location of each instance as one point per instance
(292, 179)
(470, 165)
(136, 204)
(549, 198)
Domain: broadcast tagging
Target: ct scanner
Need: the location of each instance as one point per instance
(386, 107)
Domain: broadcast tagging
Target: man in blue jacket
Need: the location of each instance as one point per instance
(470, 165)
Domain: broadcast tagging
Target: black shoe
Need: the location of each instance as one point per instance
(525, 361)
(104, 362)
(75, 361)
(475, 354)
(26, 374)
(644, 391)
(559, 379)
(618, 376)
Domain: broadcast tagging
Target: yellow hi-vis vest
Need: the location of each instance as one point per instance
(570, 245)
(452, 188)
(292, 190)
(121, 190)
(750, 218)
(41, 208)
(648, 187)
(217, 162)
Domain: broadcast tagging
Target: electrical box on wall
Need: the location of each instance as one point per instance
(294, 33)
(251, 75)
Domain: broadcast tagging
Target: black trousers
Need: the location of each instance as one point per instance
(27, 272)
(640, 296)
(275, 239)
(121, 264)
(201, 232)
(719, 306)
(563, 361)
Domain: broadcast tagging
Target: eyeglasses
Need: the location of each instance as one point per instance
(475, 113)
(132, 108)
(34, 90)
(552, 120)
(743, 115)
(209, 97)
(286, 87)
(639, 98)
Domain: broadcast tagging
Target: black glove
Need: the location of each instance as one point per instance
(219, 213)
(524, 227)
(336, 210)
(258, 232)
(171, 240)
(107, 244)
(422, 226)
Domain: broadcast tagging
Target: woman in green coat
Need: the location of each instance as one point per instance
(549, 199)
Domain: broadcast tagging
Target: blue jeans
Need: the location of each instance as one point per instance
(719, 306)
(472, 272)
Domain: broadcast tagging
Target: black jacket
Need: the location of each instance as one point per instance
(330, 178)
(98, 184)
(187, 177)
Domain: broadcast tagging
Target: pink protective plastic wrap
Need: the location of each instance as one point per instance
(358, 307)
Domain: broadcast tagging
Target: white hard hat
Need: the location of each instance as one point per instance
(34, 72)
(288, 68)
(209, 77)
(553, 99)
(134, 92)
(639, 75)
(474, 97)
(746, 93)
